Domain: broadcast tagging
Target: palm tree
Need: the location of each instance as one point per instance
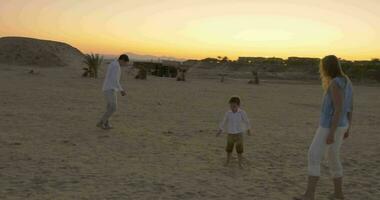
(93, 61)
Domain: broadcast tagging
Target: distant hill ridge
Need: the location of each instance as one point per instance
(140, 57)
(37, 52)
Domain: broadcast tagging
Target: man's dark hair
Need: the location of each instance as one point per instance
(234, 99)
(124, 57)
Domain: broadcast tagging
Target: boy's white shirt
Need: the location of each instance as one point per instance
(234, 123)
(112, 78)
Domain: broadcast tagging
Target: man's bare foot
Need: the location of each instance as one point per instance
(100, 124)
(334, 197)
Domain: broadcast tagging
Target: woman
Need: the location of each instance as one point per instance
(334, 126)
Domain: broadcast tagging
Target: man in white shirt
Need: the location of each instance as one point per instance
(111, 87)
(235, 123)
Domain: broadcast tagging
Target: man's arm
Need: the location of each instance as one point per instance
(117, 76)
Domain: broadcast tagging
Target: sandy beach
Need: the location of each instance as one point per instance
(163, 145)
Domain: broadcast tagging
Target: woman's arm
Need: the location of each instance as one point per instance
(349, 116)
(337, 98)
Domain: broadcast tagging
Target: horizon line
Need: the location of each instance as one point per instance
(175, 57)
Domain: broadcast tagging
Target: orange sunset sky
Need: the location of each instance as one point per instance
(202, 28)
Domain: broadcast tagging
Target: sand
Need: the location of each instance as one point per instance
(164, 145)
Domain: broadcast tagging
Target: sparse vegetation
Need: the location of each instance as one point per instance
(255, 79)
(291, 68)
(93, 61)
(163, 69)
(142, 73)
(222, 75)
(181, 74)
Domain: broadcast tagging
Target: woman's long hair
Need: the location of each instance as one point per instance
(330, 68)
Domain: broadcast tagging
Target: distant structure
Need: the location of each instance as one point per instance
(302, 61)
(261, 60)
(255, 79)
(190, 62)
(210, 60)
(141, 74)
(222, 75)
(171, 63)
(273, 61)
(289, 68)
(181, 74)
(163, 68)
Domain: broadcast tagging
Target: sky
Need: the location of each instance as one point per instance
(202, 28)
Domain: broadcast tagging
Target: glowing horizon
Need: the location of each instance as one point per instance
(198, 29)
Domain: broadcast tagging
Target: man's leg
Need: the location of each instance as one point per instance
(111, 99)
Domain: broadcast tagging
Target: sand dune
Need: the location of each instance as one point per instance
(164, 145)
(29, 51)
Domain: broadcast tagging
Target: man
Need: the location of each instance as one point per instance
(111, 87)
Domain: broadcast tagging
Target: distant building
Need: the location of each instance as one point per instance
(171, 63)
(190, 62)
(261, 60)
(304, 61)
(210, 60)
(163, 68)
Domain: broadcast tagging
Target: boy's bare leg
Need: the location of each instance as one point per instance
(240, 150)
(240, 160)
(229, 154)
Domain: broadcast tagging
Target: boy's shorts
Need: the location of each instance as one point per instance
(235, 140)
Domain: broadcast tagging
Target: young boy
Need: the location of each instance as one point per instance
(232, 123)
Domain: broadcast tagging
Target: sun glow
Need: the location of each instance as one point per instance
(197, 29)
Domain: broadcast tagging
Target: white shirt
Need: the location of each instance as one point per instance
(234, 123)
(112, 79)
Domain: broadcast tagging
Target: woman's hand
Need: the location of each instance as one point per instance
(330, 138)
(218, 133)
(346, 134)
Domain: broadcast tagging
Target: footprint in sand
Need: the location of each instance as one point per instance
(68, 143)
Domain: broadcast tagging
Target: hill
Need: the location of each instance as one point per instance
(36, 52)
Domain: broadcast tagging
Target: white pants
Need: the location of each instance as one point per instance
(317, 151)
(111, 99)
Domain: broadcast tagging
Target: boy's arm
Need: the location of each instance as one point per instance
(222, 125)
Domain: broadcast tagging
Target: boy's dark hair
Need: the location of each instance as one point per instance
(124, 57)
(234, 99)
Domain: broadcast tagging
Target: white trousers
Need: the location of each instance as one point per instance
(111, 99)
(318, 148)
